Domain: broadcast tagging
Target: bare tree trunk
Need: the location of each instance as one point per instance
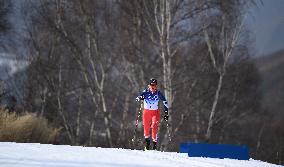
(86, 76)
(259, 140)
(163, 28)
(122, 124)
(60, 110)
(226, 46)
(197, 125)
(78, 118)
(91, 133)
(106, 120)
(213, 108)
(91, 38)
(92, 137)
(43, 101)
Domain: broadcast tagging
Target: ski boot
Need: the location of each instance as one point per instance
(147, 144)
(154, 145)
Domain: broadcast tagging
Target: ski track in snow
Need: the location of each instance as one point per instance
(46, 155)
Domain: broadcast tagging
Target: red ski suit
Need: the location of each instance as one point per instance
(151, 113)
(151, 117)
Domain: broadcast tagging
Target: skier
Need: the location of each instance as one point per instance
(151, 112)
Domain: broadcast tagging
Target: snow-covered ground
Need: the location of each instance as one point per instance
(32, 154)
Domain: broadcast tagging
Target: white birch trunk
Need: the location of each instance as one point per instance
(60, 109)
(213, 108)
(122, 123)
(59, 103)
(227, 45)
(78, 122)
(43, 101)
(99, 84)
(167, 55)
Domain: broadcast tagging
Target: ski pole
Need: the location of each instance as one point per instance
(168, 131)
(137, 121)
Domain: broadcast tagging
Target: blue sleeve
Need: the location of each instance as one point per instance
(162, 98)
(142, 94)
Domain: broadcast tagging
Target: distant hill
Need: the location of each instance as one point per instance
(271, 69)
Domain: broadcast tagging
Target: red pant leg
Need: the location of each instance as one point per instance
(155, 124)
(147, 116)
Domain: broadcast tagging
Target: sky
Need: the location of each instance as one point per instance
(266, 22)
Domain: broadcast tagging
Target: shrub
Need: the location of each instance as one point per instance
(25, 127)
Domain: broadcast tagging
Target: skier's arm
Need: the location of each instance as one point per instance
(165, 102)
(141, 96)
(166, 106)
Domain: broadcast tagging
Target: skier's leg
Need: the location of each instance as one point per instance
(147, 123)
(155, 125)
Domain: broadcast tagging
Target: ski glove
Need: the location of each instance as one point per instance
(139, 98)
(166, 116)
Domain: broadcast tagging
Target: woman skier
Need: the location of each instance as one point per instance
(151, 113)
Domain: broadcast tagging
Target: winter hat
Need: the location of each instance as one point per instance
(153, 81)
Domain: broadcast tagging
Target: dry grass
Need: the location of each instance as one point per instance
(25, 128)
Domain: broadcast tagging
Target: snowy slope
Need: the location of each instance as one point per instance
(30, 155)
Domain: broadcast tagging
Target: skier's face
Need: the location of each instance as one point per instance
(152, 88)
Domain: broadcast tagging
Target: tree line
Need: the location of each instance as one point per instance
(88, 60)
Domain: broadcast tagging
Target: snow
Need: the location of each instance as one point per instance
(34, 154)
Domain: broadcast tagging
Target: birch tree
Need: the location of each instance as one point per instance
(87, 38)
(165, 25)
(228, 39)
